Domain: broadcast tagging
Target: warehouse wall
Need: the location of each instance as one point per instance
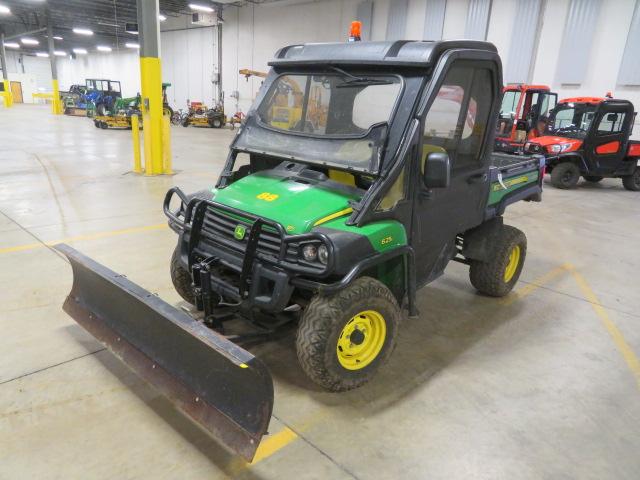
(188, 62)
(253, 33)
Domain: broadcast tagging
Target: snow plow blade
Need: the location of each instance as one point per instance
(222, 387)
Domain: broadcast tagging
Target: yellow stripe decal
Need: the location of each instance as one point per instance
(332, 216)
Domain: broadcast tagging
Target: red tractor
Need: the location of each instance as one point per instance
(589, 137)
(523, 115)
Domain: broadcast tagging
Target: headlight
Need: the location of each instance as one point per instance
(323, 254)
(564, 147)
(310, 252)
(554, 148)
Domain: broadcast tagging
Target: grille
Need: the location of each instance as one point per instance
(218, 228)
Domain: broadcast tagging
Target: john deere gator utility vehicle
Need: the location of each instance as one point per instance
(330, 223)
(590, 137)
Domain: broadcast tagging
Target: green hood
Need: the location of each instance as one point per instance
(295, 205)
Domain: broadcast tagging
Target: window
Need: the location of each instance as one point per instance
(458, 117)
(611, 123)
(329, 104)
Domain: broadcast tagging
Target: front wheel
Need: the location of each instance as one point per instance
(632, 182)
(344, 338)
(497, 275)
(181, 279)
(565, 175)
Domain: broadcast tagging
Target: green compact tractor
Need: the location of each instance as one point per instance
(119, 116)
(361, 171)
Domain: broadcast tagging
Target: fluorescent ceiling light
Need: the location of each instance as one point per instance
(5, 10)
(200, 8)
(29, 41)
(131, 45)
(60, 53)
(102, 48)
(42, 54)
(11, 45)
(83, 31)
(162, 18)
(80, 51)
(56, 37)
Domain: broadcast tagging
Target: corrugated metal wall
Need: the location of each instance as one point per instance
(434, 19)
(577, 39)
(477, 19)
(630, 66)
(188, 58)
(523, 41)
(397, 19)
(364, 13)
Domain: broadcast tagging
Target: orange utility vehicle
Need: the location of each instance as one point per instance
(589, 137)
(523, 115)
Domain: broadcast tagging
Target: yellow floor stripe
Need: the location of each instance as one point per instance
(618, 338)
(90, 236)
(273, 443)
(269, 445)
(536, 283)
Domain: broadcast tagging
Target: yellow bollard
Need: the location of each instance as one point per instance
(166, 145)
(56, 104)
(146, 129)
(8, 98)
(135, 135)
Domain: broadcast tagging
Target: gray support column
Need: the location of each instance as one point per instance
(149, 28)
(55, 101)
(219, 29)
(3, 58)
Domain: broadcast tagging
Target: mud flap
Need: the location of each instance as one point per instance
(221, 386)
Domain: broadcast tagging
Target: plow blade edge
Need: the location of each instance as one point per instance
(221, 386)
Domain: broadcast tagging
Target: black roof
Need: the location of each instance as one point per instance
(400, 52)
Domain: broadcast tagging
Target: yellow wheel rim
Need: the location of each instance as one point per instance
(512, 264)
(361, 340)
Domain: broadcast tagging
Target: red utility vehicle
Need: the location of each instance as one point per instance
(589, 137)
(523, 115)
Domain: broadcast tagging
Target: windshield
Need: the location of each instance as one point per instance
(509, 104)
(571, 120)
(508, 109)
(334, 104)
(331, 119)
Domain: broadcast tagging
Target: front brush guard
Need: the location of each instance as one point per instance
(219, 385)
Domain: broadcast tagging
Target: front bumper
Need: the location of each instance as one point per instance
(259, 270)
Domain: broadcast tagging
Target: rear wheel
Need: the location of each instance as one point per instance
(181, 279)
(344, 338)
(565, 175)
(216, 122)
(592, 178)
(632, 182)
(497, 276)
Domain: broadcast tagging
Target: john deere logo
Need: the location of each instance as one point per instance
(239, 232)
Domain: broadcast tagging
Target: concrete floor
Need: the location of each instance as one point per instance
(541, 385)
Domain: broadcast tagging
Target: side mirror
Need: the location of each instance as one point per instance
(437, 170)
